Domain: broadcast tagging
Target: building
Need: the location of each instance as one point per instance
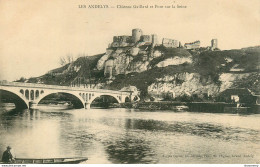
(238, 95)
(257, 96)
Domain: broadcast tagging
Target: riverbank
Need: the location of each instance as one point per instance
(206, 107)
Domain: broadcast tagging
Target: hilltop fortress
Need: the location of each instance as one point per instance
(134, 53)
(138, 38)
(161, 68)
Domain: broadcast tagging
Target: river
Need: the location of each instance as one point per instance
(120, 135)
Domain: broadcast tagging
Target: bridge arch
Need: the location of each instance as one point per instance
(19, 100)
(117, 97)
(77, 101)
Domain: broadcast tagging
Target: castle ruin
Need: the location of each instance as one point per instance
(192, 45)
(214, 44)
(140, 44)
(137, 37)
(170, 43)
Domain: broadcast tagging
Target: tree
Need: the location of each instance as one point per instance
(69, 58)
(22, 79)
(63, 61)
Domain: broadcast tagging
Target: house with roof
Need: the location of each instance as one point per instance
(257, 97)
(238, 95)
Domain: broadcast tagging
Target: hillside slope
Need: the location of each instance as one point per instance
(159, 70)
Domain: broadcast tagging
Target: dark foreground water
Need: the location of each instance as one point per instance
(131, 136)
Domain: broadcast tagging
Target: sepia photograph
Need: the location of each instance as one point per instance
(130, 82)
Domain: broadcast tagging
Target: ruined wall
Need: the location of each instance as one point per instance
(121, 41)
(214, 44)
(123, 38)
(170, 43)
(146, 38)
(192, 45)
(137, 36)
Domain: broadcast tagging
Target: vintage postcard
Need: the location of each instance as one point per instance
(130, 82)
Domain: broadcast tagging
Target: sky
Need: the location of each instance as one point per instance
(35, 34)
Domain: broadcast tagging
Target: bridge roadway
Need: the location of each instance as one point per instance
(26, 95)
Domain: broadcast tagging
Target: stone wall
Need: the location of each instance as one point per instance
(146, 38)
(124, 38)
(192, 45)
(170, 43)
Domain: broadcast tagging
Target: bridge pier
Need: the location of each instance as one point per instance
(32, 104)
(87, 105)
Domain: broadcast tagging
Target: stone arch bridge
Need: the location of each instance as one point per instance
(24, 95)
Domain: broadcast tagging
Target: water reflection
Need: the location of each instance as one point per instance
(130, 136)
(130, 150)
(199, 129)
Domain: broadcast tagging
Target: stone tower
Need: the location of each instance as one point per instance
(154, 40)
(214, 44)
(136, 34)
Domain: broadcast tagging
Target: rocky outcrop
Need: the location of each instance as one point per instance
(121, 62)
(228, 79)
(139, 58)
(139, 66)
(174, 61)
(101, 62)
(190, 84)
(183, 84)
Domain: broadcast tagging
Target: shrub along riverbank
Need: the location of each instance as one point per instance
(206, 107)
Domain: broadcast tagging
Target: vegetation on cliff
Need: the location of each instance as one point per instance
(208, 64)
(83, 67)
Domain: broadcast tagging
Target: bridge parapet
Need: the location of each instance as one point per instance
(33, 93)
(33, 85)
